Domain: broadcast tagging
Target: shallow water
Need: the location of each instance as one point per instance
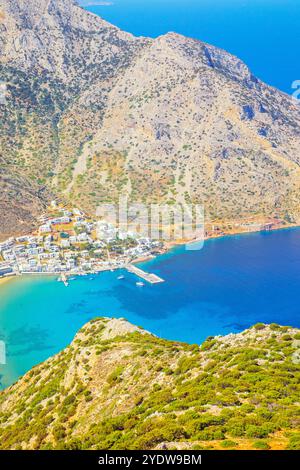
(228, 286)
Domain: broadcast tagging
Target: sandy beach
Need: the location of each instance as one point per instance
(4, 280)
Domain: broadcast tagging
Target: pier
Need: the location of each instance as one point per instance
(149, 277)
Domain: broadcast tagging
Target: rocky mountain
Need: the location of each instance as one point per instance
(119, 387)
(21, 203)
(92, 112)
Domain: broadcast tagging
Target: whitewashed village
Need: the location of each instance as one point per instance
(68, 243)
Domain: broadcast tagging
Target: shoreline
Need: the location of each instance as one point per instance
(169, 246)
(174, 244)
(5, 280)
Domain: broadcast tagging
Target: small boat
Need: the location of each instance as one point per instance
(121, 277)
(140, 284)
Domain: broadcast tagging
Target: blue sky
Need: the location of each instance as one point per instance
(263, 33)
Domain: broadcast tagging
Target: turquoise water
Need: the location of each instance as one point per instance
(228, 286)
(263, 33)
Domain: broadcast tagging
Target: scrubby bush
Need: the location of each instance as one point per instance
(227, 444)
(261, 445)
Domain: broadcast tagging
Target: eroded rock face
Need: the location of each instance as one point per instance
(21, 203)
(60, 38)
(176, 119)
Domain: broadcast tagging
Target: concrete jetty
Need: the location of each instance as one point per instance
(64, 279)
(149, 277)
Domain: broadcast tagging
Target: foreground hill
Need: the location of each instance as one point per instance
(119, 387)
(93, 112)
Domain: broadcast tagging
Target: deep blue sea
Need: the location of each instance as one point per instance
(231, 284)
(263, 33)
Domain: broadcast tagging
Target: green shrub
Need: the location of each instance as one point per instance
(294, 442)
(228, 444)
(261, 445)
(257, 431)
(115, 376)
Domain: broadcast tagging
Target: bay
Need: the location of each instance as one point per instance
(229, 285)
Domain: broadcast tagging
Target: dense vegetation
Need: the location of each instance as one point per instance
(116, 389)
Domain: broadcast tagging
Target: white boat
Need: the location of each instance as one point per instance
(140, 284)
(121, 277)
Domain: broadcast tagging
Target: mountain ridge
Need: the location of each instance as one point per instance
(119, 387)
(93, 113)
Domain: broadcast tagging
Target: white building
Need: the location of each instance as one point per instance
(60, 220)
(7, 244)
(8, 255)
(45, 228)
(83, 237)
(23, 239)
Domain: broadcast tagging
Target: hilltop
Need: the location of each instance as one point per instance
(93, 112)
(119, 387)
